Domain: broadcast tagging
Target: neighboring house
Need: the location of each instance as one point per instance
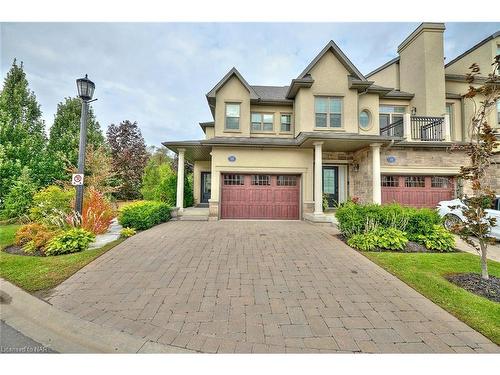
(273, 152)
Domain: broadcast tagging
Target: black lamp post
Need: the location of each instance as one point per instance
(85, 92)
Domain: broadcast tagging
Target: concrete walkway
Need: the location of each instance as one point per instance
(252, 287)
(35, 323)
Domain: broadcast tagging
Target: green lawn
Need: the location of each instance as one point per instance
(7, 233)
(425, 273)
(35, 274)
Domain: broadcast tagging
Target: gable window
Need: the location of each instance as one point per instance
(233, 116)
(262, 122)
(328, 112)
(286, 123)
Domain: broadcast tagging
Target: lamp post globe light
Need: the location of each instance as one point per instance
(85, 92)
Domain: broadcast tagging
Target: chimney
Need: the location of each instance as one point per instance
(421, 67)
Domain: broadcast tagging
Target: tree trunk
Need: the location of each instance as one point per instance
(484, 260)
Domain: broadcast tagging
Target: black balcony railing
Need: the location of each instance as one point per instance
(425, 128)
(395, 129)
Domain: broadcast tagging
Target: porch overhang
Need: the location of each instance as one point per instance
(343, 142)
(194, 150)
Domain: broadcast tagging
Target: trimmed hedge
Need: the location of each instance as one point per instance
(361, 218)
(144, 215)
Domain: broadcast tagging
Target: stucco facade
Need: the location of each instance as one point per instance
(350, 135)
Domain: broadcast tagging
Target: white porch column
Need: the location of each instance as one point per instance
(180, 179)
(377, 192)
(318, 178)
(447, 128)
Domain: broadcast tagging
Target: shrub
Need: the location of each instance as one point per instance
(379, 238)
(97, 212)
(363, 241)
(49, 201)
(159, 183)
(34, 236)
(391, 239)
(355, 218)
(70, 241)
(144, 215)
(438, 239)
(19, 198)
(127, 232)
(422, 222)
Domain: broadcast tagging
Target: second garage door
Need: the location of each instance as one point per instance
(260, 196)
(417, 191)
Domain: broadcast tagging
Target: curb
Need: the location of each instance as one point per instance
(64, 332)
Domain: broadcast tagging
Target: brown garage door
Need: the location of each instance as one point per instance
(417, 191)
(260, 196)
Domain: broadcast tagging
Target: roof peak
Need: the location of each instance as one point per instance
(340, 55)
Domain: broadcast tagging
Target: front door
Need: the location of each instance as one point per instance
(206, 181)
(331, 185)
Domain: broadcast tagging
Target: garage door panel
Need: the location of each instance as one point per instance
(417, 191)
(269, 200)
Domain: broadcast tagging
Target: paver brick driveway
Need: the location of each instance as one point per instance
(250, 286)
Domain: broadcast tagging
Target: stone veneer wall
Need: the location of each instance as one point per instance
(425, 157)
(360, 182)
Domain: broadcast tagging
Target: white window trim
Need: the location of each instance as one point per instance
(262, 123)
(230, 102)
(291, 123)
(328, 127)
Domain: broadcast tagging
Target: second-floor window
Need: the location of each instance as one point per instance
(233, 116)
(328, 112)
(286, 123)
(262, 122)
(389, 114)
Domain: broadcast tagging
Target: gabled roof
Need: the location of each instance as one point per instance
(227, 77)
(207, 124)
(331, 46)
(382, 67)
(484, 41)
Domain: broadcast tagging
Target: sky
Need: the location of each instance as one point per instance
(158, 73)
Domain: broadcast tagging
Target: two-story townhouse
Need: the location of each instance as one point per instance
(277, 152)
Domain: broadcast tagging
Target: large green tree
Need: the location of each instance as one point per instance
(65, 134)
(22, 134)
(129, 157)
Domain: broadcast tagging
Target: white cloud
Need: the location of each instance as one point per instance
(158, 73)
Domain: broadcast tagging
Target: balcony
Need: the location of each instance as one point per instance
(419, 128)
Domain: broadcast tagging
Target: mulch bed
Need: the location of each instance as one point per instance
(411, 247)
(472, 282)
(18, 250)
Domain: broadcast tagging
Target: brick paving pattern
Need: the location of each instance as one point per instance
(258, 287)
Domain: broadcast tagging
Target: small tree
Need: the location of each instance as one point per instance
(129, 157)
(480, 149)
(20, 196)
(64, 135)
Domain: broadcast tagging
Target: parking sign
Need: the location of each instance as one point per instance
(77, 179)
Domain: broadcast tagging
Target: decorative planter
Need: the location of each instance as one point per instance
(174, 212)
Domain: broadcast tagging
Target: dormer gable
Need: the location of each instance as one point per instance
(344, 60)
(233, 72)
